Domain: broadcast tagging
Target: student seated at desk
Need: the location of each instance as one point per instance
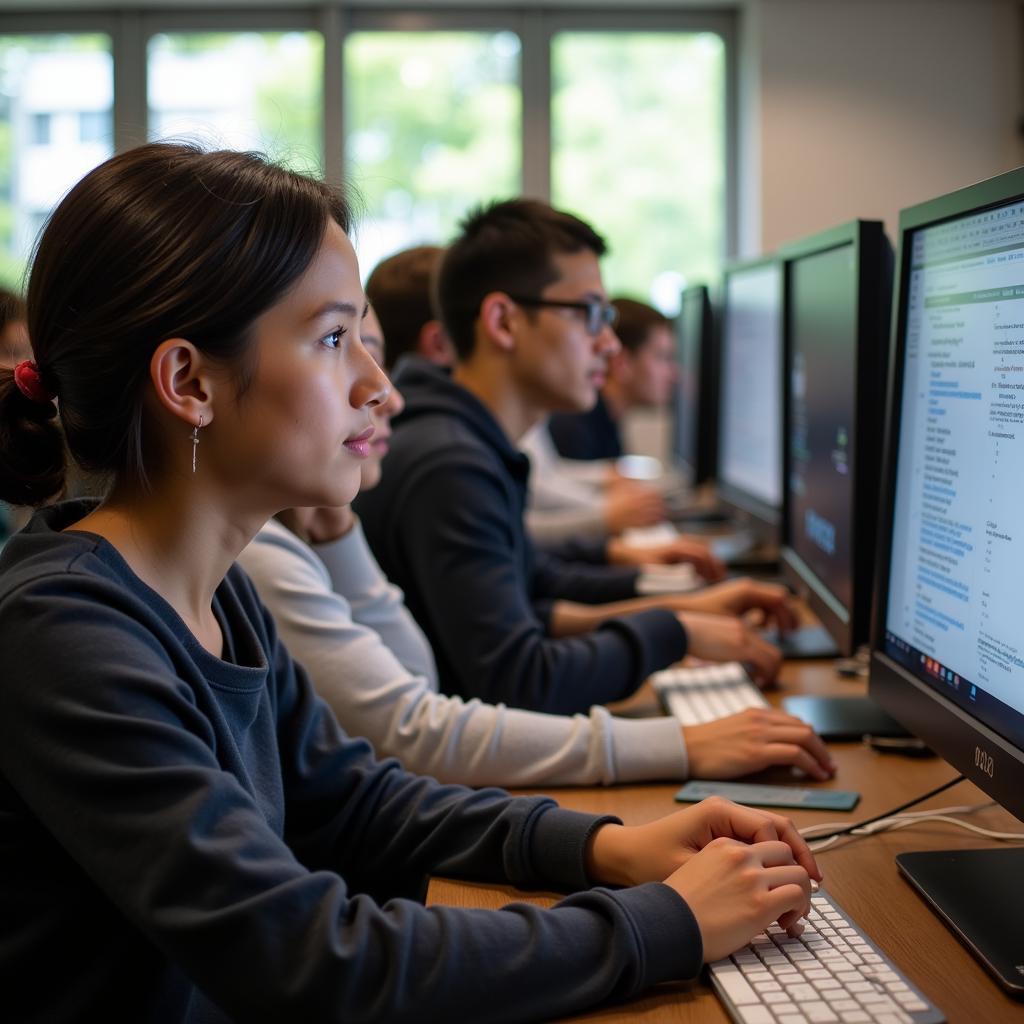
(521, 298)
(567, 499)
(348, 627)
(185, 833)
(640, 376)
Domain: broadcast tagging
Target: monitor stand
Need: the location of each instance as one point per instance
(978, 894)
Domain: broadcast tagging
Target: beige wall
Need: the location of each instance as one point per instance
(856, 108)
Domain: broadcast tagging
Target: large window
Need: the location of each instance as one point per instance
(623, 118)
(50, 85)
(433, 122)
(638, 148)
(240, 90)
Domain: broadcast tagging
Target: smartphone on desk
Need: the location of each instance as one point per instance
(757, 795)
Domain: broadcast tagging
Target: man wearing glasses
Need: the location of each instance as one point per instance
(521, 297)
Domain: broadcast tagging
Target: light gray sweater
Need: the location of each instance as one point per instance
(369, 660)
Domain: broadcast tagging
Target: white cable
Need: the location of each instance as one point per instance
(914, 818)
(961, 809)
(1010, 837)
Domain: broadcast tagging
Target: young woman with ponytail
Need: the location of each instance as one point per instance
(186, 834)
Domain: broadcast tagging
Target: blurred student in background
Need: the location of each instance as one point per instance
(641, 375)
(568, 500)
(399, 289)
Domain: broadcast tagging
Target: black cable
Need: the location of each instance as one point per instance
(887, 814)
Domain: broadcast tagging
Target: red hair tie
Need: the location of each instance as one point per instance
(30, 382)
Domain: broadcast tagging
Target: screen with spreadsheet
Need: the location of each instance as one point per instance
(957, 558)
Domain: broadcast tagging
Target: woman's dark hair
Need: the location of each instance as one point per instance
(507, 246)
(162, 241)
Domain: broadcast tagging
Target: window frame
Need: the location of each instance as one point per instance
(130, 27)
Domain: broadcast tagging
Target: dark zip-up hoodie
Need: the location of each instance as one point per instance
(446, 525)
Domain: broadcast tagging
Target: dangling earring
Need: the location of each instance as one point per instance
(195, 441)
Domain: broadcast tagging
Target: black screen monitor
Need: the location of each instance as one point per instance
(837, 291)
(750, 390)
(947, 646)
(693, 403)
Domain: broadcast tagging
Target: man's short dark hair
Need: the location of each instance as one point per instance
(636, 321)
(507, 247)
(399, 289)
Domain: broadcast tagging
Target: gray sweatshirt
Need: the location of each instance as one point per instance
(369, 660)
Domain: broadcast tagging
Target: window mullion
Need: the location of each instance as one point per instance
(535, 71)
(333, 28)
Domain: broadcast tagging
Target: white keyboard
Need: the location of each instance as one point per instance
(702, 694)
(831, 974)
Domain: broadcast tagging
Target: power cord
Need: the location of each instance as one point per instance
(888, 814)
(941, 814)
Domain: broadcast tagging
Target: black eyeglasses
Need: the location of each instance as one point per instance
(599, 314)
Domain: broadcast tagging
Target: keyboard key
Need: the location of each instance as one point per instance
(803, 993)
(757, 1015)
(819, 1013)
(736, 988)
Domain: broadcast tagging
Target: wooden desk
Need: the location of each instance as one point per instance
(860, 873)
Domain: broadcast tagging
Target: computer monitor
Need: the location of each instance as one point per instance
(837, 291)
(750, 390)
(947, 658)
(693, 403)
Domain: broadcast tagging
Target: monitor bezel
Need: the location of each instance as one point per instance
(703, 469)
(729, 494)
(989, 760)
(848, 627)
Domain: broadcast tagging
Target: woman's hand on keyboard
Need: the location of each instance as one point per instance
(724, 638)
(633, 854)
(772, 603)
(753, 740)
(738, 868)
(736, 890)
